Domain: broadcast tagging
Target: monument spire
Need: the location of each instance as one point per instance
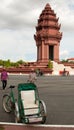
(47, 35)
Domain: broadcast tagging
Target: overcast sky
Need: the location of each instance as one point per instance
(18, 19)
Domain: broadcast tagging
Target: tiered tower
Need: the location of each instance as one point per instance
(47, 36)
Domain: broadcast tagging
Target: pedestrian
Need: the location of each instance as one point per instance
(32, 76)
(4, 77)
(64, 72)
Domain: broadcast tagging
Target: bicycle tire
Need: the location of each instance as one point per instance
(6, 102)
(43, 111)
(17, 116)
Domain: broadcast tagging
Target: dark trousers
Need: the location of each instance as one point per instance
(4, 83)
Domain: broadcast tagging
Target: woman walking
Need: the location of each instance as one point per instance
(4, 77)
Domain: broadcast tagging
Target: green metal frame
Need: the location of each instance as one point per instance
(17, 105)
(26, 87)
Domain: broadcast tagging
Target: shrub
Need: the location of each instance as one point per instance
(50, 64)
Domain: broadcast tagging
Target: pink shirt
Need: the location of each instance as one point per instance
(4, 75)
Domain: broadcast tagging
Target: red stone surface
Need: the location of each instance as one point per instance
(32, 127)
(47, 36)
(27, 70)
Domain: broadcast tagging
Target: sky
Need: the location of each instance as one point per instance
(18, 19)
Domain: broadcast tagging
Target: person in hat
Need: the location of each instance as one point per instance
(32, 76)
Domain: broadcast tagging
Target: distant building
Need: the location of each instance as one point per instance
(70, 60)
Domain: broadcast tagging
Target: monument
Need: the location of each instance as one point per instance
(48, 36)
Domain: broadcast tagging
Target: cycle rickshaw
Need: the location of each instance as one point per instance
(28, 108)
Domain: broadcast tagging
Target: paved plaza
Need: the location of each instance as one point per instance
(56, 91)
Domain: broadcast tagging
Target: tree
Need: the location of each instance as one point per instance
(50, 64)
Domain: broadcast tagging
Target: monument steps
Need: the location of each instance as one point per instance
(57, 67)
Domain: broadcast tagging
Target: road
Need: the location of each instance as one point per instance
(56, 91)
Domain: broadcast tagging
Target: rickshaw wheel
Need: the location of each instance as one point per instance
(6, 102)
(17, 119)
(43, 111)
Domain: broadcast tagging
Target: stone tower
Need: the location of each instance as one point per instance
(47, 36)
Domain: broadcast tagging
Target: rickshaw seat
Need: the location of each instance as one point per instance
(29, 102)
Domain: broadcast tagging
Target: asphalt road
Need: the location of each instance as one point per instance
(56, 91)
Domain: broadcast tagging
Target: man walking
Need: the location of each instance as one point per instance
(32, 77)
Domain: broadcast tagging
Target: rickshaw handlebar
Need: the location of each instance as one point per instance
(11, 86)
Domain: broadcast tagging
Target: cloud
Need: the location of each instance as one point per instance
(64, 54)
(65, 12)
(18, 14)
(16, 45)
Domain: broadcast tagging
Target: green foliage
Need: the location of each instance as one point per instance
(50, 64)
(1, 62)
(20, 62)
(14, 64)
(67, 61)
(8, 63)
(63, 61)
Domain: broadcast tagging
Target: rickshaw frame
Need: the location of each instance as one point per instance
(11, 104)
